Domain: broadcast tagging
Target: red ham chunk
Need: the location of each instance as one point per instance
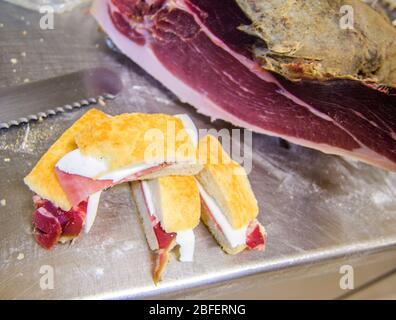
(255, 239)
(164, 239)
(51, 223)
(47, 229)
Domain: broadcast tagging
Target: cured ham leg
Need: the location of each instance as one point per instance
(194, 48)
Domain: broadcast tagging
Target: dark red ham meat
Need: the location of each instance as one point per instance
(52, 223)
(47, 228)
(255, 238)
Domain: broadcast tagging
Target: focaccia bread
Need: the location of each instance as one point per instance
(136, 138)
(227, 182)
(42, 179)
(177, 202)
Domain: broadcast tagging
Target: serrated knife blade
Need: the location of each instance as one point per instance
(39, 99)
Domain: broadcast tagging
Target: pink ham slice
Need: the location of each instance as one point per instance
(195, 49)
(79, 188)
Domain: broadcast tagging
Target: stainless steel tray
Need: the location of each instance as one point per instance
(316, 207)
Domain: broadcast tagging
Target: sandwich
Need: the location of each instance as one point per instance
(55, 219)
(229, 207)
(96, 153)
(170, 209)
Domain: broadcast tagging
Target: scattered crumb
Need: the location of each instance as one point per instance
(97, 45)
(99, 272)
(23, 54)
(20, 256)
(7, 159)
(1, 25)
(102, 102)
(24, 32)
(3, 202)
(41, 40)
(14, 60)
(14, 70)
(26, 80)
(22, 18)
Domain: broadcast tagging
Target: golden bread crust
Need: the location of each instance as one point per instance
(42, 179)
(136, 138)
(180, 203)
(227, 182)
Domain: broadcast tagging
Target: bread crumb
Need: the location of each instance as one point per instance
(23, 54)
(3, 202)
(20, 256)
(41, 40)
(24, 32)
(14, 70)
(7, 159)
(14, 60)
(26, 80)
(1, 25)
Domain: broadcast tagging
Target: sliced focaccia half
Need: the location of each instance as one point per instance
(229, 206)
(55, 218)
(169, 208)
(125, 148)
(98, 152)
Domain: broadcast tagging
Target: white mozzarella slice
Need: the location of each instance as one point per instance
(235, 237)
(92, 209)
(186, 241)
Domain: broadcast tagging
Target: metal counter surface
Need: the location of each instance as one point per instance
(315, 207)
